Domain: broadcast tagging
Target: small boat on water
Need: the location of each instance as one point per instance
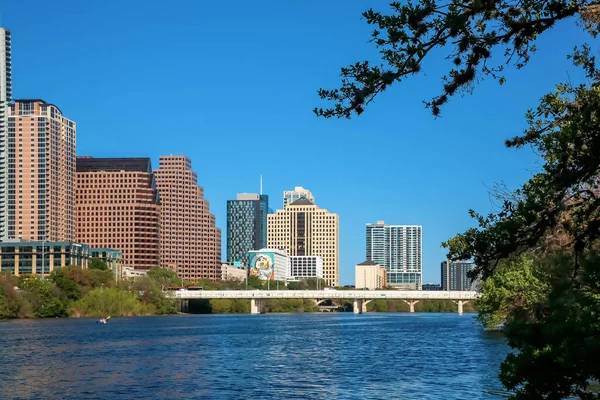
(103, 320)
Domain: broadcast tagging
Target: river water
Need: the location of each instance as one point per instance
(272, 356)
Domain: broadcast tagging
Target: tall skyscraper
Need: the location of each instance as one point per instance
(290, 196)
(303, 229)
(246, 226)
(398, 248)
(455, 275)
(5, 99)
(41, 172)
(118, 207)
(190, 241)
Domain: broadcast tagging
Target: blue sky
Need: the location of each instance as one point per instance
(233, 84)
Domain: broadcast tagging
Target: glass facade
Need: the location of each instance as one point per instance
(455, 275)
(398, 248)
(27, 257)
(246, 227)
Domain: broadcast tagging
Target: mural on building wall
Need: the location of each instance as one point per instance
(262, 265)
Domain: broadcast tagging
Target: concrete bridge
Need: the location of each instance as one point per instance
(360, 298)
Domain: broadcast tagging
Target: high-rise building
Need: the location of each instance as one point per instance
(303, 229)
(397, 248)
(5, 99)
(118, 207)
(41, 172)
(290, 196)
(190, 240)
(246, 226)
(455, 275)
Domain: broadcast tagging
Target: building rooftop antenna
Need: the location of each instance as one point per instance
(261, 184)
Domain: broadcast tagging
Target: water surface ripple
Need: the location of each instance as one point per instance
(274, 356)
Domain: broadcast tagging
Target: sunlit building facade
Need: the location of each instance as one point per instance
(303, 229)
(190, 240)
(397, 248)
(40, 172)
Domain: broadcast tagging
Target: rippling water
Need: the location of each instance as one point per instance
(275, 356)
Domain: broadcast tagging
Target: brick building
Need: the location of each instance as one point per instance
(118, 207)
(190, 240)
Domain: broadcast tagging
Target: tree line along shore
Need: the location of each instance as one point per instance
(93, 292)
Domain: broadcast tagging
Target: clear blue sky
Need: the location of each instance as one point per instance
(233, 84)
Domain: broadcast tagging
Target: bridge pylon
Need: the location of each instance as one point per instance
(411, 305)
(257, 306)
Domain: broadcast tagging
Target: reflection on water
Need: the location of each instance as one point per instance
(324, 356)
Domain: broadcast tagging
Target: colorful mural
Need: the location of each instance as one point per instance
(262, 265)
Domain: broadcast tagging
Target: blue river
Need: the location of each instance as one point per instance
(272, 356)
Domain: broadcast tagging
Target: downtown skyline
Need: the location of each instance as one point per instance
(439, 195)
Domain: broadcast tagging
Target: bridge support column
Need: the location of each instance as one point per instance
(364, 305)
(257, 306)
(184, 306)
(411, 304)
(460, 304)
(358, 306)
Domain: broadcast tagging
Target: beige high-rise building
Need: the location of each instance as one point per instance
(41, 172)
(303, 229)
(118, 208)
(190, 240)
(370, 275)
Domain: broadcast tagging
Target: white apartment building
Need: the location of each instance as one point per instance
(304, 267)
(398, 248)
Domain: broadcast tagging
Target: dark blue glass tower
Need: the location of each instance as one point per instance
(246, 226)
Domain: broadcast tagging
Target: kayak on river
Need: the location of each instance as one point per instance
(103, 320)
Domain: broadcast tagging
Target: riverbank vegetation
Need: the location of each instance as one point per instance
(537, 253)
(76, 292)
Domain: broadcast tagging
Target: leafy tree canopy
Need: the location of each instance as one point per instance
(96, 263)
(467, 32)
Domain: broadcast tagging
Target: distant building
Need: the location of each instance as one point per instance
(20, 257)
(303, 229)
(305, 267)
(190, 242)
(40, 157)
(233, 273)
(370, 275)
(455, 275)
(269, 264)
(246, 226)
(133, 273)
(398, 248)
(432, 286)
(118, 208)
(290, 196)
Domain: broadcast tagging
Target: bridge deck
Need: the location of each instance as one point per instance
(326, 294)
